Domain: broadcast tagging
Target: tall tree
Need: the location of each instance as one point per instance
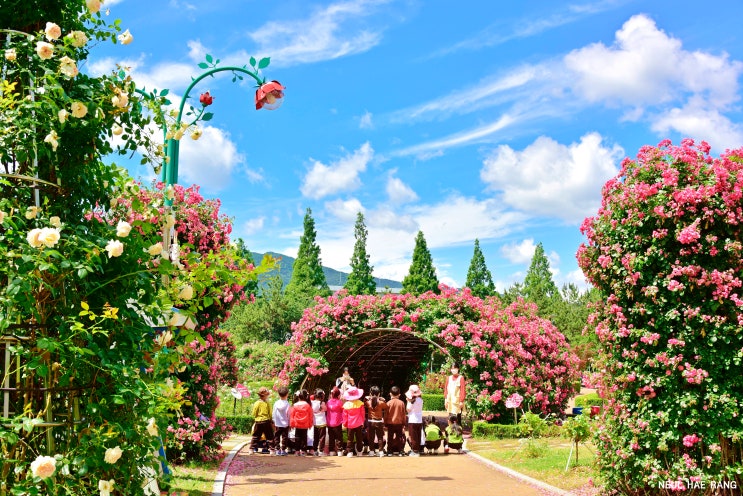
(422, 274)
(479, 278)
(251, 287)
(360, 280)
(307, 274)
(539, 287)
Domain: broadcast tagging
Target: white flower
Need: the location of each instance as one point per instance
(120, 100)
(44, 50)
(116, 130)
(78, 39)
(106, 486)
(122, 229)
(62, 115)
(43, 466)
(93, 5)
(152, 427)
(49, 236)
(52, 31)
(33, 238)
(169, 221)
(55, 221)
(186, 293)
(79, 110)
(3, 215)
(178, 134)
(196, 134)
(114, 248)
(169, 192)
(32, 212)
(52, 139)
(155, 249)
(10, 54)
(112, 455)
(68, 67)
(126, 37)
(163, 339)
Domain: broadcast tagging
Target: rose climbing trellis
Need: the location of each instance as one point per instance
(502, 349)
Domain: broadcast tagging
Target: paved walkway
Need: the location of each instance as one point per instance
(265, 475)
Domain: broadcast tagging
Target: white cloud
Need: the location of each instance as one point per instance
(395, 220)
(328, 33)
(342, 175)
(253, 226)
(398, 192)
(519, 253)
(209, 161)
(645, 66)
(365, 121)
(196, 50)
(698, 121)
(345, 210)
(551, 179)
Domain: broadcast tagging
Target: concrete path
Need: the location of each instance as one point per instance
(265, 475)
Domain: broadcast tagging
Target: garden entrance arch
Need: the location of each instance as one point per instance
(387, 340)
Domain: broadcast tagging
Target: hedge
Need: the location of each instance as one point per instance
(480, 428)
(241, 424)
(433, 402)
(590, 399)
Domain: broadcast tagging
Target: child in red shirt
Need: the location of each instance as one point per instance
(301, 417)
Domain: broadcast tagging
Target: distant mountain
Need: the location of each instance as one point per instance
(334, 277)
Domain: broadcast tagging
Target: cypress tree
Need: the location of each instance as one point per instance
(538, 285)
(479, 278)
(307, 274)
(422, 274)
(360, 280)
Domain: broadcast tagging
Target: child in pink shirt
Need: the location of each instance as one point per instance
(335, 422)
(354, 415)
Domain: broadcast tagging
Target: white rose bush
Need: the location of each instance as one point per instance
(83, 273)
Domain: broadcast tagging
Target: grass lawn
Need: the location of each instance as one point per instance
(193, 479)
(548, 467)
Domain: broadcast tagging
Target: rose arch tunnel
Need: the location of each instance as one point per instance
(379, 357)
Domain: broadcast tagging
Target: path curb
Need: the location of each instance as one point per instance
(219, 480)
(517, 475)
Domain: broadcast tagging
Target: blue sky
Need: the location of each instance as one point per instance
(492, 120)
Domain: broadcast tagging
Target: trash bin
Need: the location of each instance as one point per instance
(577, 410)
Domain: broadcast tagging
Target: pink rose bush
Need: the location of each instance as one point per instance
(665, 250)
(502, 349)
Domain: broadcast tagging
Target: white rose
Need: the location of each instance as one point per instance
(116, 130)
(114, 248)
(122, 229)
(52, 139)
(106, 486)
(78, 39)
(93, 5)
(68, 67)
(32, 212)
(62, 115)
(120, 100)
(52, 31)
(112, 455)
(55, 221)
(126, 37)
(178, 134)
(186, 293)
(152, 427)
(10, 54)
(49, 236)
(79, 110)
(43, 466)
(33, 238)
(44, 50)
(155, 249)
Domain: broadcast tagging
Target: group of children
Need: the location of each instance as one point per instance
(363, 421)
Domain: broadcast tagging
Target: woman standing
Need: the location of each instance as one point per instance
(454, 393)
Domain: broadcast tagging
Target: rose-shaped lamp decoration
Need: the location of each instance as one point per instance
(206, 99)
(269, 96)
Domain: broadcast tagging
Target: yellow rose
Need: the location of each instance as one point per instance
(196, 134)
(32, 212)
(155, 249)
(152, 427)
(112, 455)
(10, 54)
(122, 229)
(93, 5)
(55, 221)
(78, 39)
(79, 110)
(114, 248)
(49, 236)
(106, 486)
(126, 37)
(2, 216)
(33, 238)
(43, 466)
(44, 50)
(117, 130)
(52, 139)
(120, 100)
(186, 293)
(68, 67)
(62, 115)
(52, 31)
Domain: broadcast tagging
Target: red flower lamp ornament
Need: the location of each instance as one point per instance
(206, 99)
(269, 96)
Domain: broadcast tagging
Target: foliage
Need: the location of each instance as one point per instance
(433, 382)
(665, 251)
(483, 429)
(501, 349)
(532, 425)
(433, 402)
(251, 288)
(578, 428)
(260, 360)
(422, 274)
(360, 280)
(590, 399)
(308, 277)
(479, 278)
(539, 287)
(241, 424)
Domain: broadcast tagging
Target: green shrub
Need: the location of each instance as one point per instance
(589, 399)
(532, 425)
(433, 402)
(241, 424)
(483, 429)
(261, 360)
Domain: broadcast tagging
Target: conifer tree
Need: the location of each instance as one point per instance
(360, 280)
(479, 278)
(538, 285)
(422, 274)
(251, 288)
(307, 274)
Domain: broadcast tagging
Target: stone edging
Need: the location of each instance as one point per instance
(219, 480)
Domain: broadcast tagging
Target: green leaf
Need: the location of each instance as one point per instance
(164, 92)
(207, 116)
(203, 65)
(264, 62)
(252, 61)
(208, 300)
(209, 58)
